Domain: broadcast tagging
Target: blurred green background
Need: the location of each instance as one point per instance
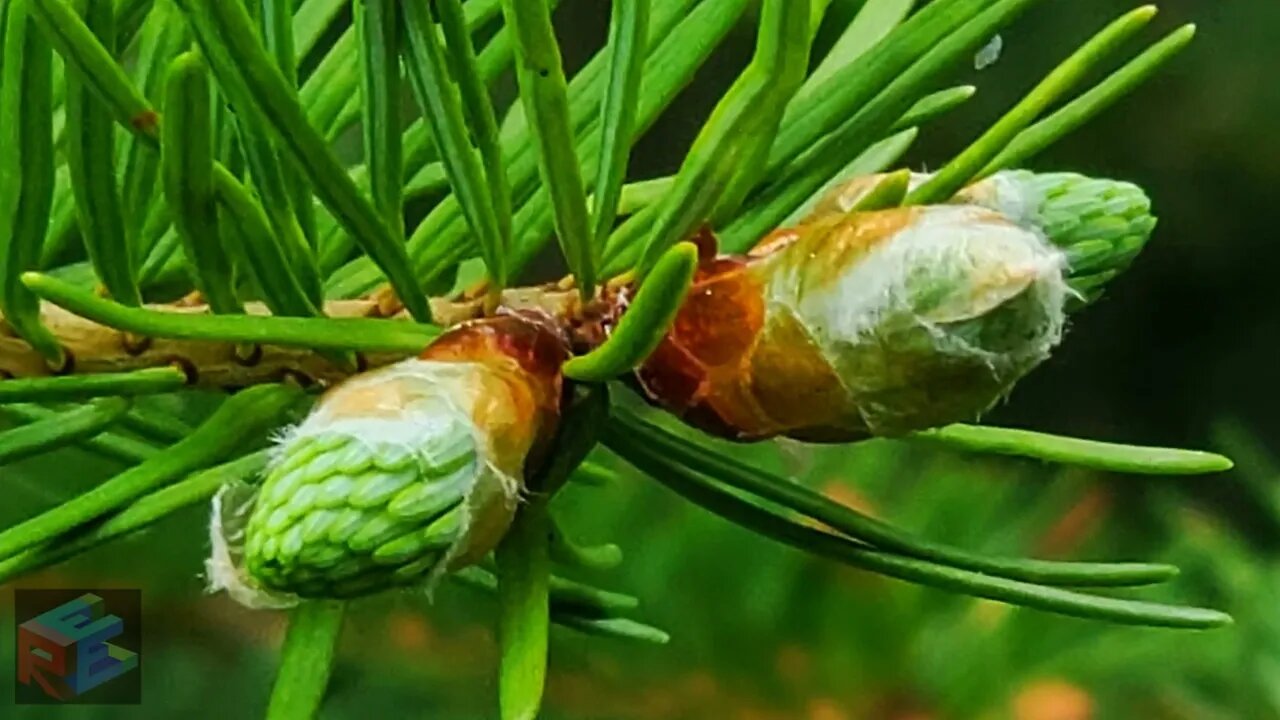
(1182, 351)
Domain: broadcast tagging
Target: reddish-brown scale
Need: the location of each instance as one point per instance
(527, 351)
(533, 343)
(720, 318)
(693, 372)
(672, 376)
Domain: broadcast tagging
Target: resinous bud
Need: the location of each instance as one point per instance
(398, 474)
(859, 324)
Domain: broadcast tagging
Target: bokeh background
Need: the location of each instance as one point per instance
(1182, 351)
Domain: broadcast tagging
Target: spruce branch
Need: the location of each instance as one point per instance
(295, 269)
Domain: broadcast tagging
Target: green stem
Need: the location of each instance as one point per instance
(186, 151)
(931, 107)
(268, 170)
(840, 92)
(162, 36)
(151, 381)
(478, 106)
(92, 62)
(255, 241)
(441, 240)
(245, 416)
(158, 427)
(278, 37)
(544, 92)
(798, 171)
(378, 27)
(574, 605)
(963, 168)
(728, 156)
(59, 431)
(523, 612)
(310, 649)
(108, 444)
(615, 628)
(90, 151)
(747, 478)
(702, 491)
(441, 101)
(875, 20)
(142, 513)
(359, 334)
(1111, 457)
(1035, 139)
(27, 175)
(628, 33)
(565, 551)
(225, 32)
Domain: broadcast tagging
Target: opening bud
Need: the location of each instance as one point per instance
(398, 474)
(865, 323)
